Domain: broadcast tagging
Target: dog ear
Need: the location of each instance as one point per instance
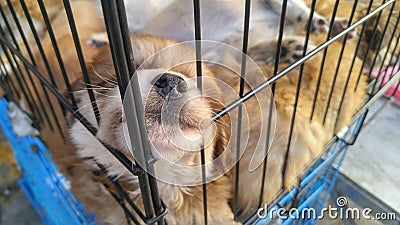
(100, 71)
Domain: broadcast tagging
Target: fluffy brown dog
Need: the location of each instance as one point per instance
(307, 140)
(181, 190)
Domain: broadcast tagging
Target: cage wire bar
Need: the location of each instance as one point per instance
(120, 45)
(380, 44)
(323, 46)
(117, 30)
(341, 143)
(369, 44)
(337, 69)
(122, 158)
(374, 35)
(199, 76)
(7, 79)
(391, 55)
(374, 94)
(246, 27)
(333, 16)
(364, 59)
(271, 104)
(52, 36)
(353, 10)
(360, 117)
(74, 32)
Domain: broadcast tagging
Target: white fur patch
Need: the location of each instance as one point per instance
(22, 123)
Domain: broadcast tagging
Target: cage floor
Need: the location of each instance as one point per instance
(377, 152)
(373, 162)
(18, 210)
(15, 208)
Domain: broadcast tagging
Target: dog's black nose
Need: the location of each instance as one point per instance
(170, 85)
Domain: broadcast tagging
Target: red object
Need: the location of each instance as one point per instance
(385, 75)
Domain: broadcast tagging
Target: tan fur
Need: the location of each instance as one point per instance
(308, 138)
(33, 7)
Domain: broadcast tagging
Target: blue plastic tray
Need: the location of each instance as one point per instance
(45, 187)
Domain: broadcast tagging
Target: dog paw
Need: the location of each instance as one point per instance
(98, 40)
(341, 24)
(319, 25)
(292, 49)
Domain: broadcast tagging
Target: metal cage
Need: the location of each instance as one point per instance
(314, 184)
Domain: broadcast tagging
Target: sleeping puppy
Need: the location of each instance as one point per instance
(222, 21)
(307, 140)
(184, 203)
(175, 112)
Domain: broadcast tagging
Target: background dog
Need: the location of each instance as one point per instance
(52, 8)
(371, 37)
